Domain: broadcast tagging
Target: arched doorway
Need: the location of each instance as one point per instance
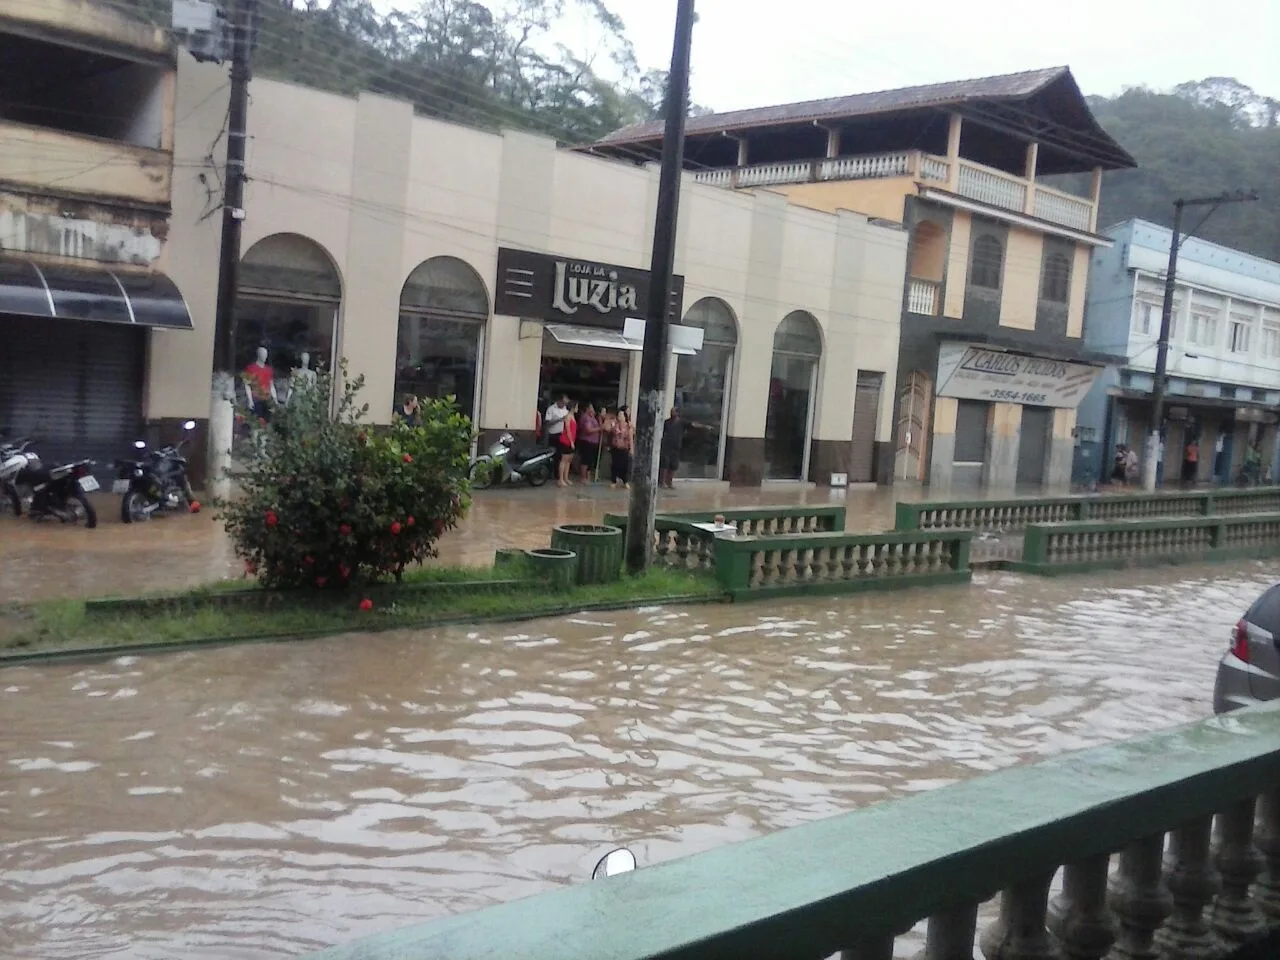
(914, 400)
(793, 387)
(444, 307)
(287, 302)
(702, 389)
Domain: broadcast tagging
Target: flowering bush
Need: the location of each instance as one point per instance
(329, 502)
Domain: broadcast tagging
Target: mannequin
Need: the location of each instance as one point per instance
(301, 375)
(260, 385)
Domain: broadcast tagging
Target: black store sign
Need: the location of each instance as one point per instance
(537, 286)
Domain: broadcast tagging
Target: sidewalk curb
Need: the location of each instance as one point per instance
(38, 657)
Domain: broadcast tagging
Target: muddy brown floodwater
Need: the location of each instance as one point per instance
(266, 800)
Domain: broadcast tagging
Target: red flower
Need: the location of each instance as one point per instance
(308, 560)
(271, 518)
(250, 567)
(320, 581)
(345, 530)
(362, 438)
(408, 459)
(345, 571)
(262, 422)
(195, 506)
(395, 528)
(410, 521)
(239, 418)
(366, 604)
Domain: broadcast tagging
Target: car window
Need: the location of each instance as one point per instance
(1265, 611)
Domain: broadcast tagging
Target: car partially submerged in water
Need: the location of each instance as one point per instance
(1249, 672)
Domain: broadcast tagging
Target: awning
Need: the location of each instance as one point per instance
(91, 293)
(607, 339)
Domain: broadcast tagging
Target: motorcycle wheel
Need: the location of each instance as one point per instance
(538, 475)
(133, 507)
(481, 475)
(86, 508)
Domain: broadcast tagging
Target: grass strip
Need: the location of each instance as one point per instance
(63, 626)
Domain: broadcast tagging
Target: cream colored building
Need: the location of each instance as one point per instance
(373, 235)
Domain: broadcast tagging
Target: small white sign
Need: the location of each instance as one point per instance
(969, 372)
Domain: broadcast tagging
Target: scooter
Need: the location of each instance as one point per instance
(14, 458)
(58, 493)
(157, 482)
(505, 464)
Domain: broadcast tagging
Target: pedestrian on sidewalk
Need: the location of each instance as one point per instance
(621, 440)
(589, 435)
(553, 422)
(1190, 462)
(669, 452)
(568, 443)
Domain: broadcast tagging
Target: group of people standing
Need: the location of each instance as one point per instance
(1125, 467)
(584, 437)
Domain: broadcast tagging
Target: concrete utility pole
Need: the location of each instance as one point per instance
(222, 399)
(653, 361)
(1151, 461)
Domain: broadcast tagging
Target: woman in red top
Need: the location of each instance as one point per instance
(621, 437)
(568, 440)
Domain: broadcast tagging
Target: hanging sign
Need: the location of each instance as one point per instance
(539, 286)
(969, 372)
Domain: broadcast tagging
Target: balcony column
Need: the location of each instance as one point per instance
(1236, 918)
(1193, 882)
(1139, 899)
(953, 152)
(1079, 918)
(1020, 932)
(1033, 156)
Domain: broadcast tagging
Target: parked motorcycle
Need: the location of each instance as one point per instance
(505, 464)
(14, 458)
(155, 482)
(57, 493)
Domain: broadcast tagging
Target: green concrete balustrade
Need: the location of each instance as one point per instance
(1008, 516)
(754, 567)
(1054, 548)
(855, 882)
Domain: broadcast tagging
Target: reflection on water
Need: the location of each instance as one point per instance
(262, 801)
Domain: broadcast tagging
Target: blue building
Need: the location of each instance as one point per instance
(1223, 362)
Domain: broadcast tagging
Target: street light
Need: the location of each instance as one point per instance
(1150, 462)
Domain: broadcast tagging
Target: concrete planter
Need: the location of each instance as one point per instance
(557, 567)
(599, 550)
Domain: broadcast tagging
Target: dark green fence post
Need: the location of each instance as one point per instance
(1084, 509)
(961, 550)
(733, 565)
(1209, 505)
(906, 516)
(1034, 542)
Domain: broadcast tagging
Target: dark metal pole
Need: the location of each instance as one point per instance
(1150, 462)
(233, 197)
(653, 361)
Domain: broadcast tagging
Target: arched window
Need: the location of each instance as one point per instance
(988, 258)
(793, 383)
(444, 307)
(287, 301)
(1055, 278)
(702, 389)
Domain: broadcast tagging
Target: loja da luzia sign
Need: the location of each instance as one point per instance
(970, 372)
(539, 286)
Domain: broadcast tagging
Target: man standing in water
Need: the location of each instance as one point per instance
(553, 429)
(669, 454)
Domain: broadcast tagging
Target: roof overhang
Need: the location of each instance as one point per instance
(98, 294)
(1010, 216)
(1025, 348)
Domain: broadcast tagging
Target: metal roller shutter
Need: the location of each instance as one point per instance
(74, 387)
(866, 411)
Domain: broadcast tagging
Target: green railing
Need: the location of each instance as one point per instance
(1102, 545)
(752, 567)
(1007, 516)
(678, 543)
(856, 882)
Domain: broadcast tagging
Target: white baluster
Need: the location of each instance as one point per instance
(1139, 899)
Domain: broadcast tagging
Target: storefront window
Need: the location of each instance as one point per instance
(797, 348)
(287, 303)
(702, 385)
(443, 310)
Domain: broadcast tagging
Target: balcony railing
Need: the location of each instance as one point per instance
(66, 162)
(973, 181)
(923, 296)
(857, 882)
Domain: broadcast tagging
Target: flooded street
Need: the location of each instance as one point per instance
(265, 800)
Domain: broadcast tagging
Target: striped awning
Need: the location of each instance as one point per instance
(97, 294)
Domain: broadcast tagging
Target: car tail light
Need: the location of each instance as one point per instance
(1240, 642)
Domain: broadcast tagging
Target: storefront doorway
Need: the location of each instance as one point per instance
(1033, 444)
(702, 390)
(287, 302)
(793, 383)
(443, 311)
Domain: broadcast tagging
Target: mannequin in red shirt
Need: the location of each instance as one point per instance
(260, 384)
